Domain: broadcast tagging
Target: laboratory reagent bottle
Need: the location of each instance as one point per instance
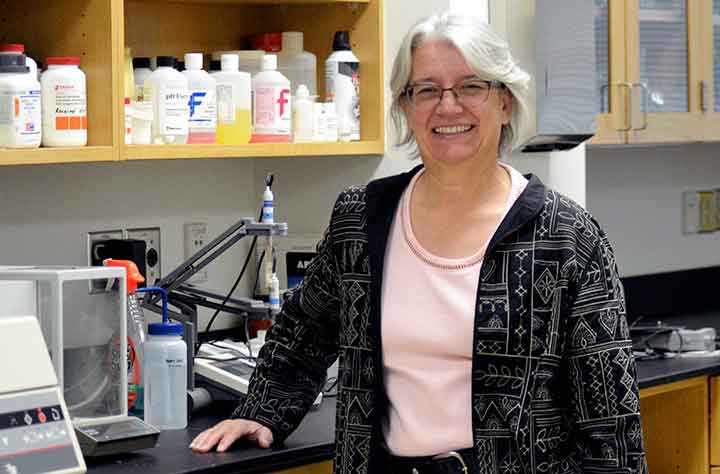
(342, 81)
(233, 102)
(299, 66)
(302, 115)
(167, 89)
(141, 71)
(165, 372)
(20, 117)
(17, 48)
(272, 104)
(203, 111)
(64, 103)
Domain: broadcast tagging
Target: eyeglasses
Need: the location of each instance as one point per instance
(470, 93)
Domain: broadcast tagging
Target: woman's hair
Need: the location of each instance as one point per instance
(484, 51)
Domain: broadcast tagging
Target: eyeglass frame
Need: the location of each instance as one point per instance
(492, 84)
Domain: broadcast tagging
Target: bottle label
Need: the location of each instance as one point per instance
(22, 112)
(173, 110)
(343, 88)
(272, 110)
(202, 109)
(226, 103)
(70, 104)
(268, 212)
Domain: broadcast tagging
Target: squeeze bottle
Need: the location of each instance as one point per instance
(136, 336)
(165, 372)
(299, 66)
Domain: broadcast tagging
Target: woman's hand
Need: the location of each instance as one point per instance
(225, 433)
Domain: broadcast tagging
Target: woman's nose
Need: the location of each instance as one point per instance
(449, 102)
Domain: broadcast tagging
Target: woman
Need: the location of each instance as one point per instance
(478, 315)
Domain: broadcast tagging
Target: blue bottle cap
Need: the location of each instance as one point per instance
(165, 329)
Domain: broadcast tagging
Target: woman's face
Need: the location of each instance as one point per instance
(454, 131)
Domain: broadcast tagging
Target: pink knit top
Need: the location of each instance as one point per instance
(428, 310)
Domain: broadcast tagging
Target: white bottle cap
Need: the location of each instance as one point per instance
(292, 41)
(193, 61)
(229, 62)
(269, 62)
(302, 91)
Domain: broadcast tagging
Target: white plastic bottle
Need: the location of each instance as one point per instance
(299, 66)
(331, 122)
(167, 89)
(165, 369)
(274, 298)
(319, 123)
(272, 104)
(64, 103)
(302, 115)
(20, 104)
(234, 124)
(141, 71)
(203, 111)
(342, 84)
(16, 48)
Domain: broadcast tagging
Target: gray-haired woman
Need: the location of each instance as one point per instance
(478, 316)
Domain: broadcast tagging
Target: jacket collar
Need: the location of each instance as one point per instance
(383, 196)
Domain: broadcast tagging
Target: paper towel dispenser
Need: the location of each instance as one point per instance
(553, 40)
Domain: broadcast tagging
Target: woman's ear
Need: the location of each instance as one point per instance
(506, 104)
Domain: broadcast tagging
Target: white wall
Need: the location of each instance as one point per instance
(636, 194)
(45, 211)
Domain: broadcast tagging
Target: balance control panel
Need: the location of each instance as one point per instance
(35, 435)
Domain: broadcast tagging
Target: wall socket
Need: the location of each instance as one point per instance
(195, 237)
(151, 236)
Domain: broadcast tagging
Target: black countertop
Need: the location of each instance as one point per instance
(662, 371)
(312, 442)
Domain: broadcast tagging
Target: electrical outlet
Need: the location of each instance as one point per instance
(195, 237)
(151, 236)
(94, 236)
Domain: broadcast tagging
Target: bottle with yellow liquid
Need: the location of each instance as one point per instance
(234, 125)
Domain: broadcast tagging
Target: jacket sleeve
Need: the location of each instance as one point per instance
(604, 402)
(299, 347)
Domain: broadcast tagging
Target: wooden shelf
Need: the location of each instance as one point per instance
(56, 155)
(254, 150)
(268, 2)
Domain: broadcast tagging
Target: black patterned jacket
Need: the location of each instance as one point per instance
(553, 381)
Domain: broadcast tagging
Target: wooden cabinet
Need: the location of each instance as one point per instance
(651, 70)
(675, 427)
(710, 40)
(98, 31)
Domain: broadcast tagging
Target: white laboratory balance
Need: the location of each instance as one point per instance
(36, 435)
(82, 315)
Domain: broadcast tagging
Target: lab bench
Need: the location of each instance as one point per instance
(677, 397)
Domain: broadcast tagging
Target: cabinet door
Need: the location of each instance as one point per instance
(710, 100)
(614, 92)
(665, 68)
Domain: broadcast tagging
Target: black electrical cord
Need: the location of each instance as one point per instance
(269, 178)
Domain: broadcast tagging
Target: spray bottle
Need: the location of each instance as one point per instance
(136, 336)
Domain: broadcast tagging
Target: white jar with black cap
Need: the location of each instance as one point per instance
(342, 86)
(168, 91)
(20, 104)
